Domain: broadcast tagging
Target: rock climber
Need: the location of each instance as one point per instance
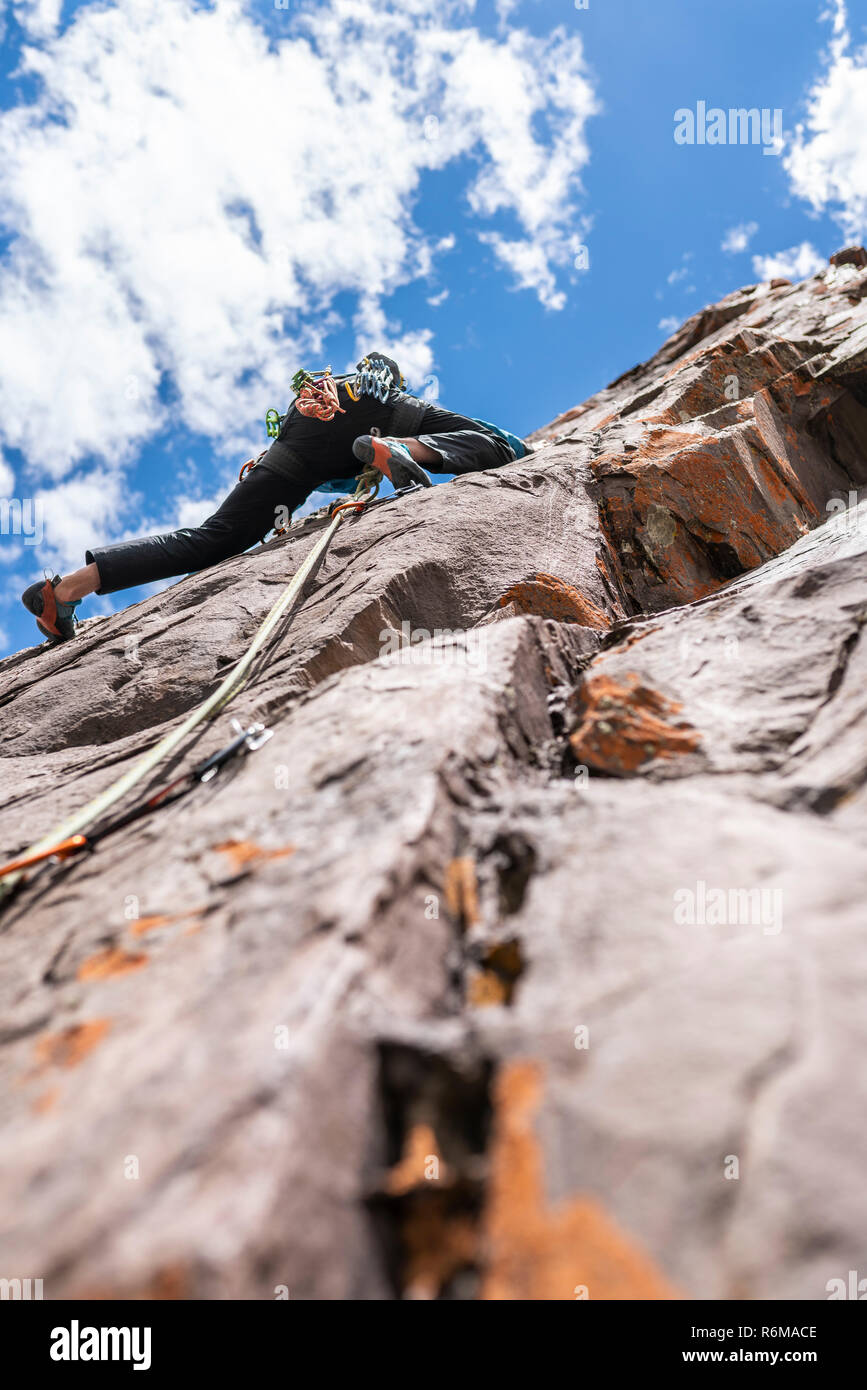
(335, 426)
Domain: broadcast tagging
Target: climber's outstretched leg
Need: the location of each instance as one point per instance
(246, 515)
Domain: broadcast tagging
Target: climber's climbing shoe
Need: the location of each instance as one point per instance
(55, 620)
(391, 458)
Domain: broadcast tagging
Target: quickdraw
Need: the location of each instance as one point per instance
(375, 377)
(246, 740)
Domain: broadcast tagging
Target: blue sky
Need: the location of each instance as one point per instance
(197, 198)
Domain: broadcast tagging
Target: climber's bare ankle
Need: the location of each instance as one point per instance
(420, 452)
(78, 584)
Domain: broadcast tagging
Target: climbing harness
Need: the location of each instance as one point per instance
(245, 740)
(317, 398)
(12, 873)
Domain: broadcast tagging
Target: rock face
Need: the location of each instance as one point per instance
(525, 961)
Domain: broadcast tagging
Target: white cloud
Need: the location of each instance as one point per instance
(795, 264)
(669, 325)
(7, 478)
(191, 511)
(827, 163)
(411, 348)
(190, 199)
(82, 512)
(738, 238)
(10, 554)
(530, 265)
(680, 273)
(38, 18)
(435, 300)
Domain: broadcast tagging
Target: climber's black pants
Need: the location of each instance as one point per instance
(250, 510)
(461, 445)
(246, 515)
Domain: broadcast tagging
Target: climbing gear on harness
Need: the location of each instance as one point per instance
(251, 463)
(369, 481)
(228, 688)
(391, 458)
(246, 740)
(56, 620)
(376, 376)
(316, 518)
(373, 371)
(315, 395)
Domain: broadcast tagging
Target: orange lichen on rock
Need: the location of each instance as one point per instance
(632, 640)
(461, 890)
(437, 1244)
(534, 1252)
(112, 961)
(420, 1163)
(625, 725)
(438, 1218)
(161, 919)
(718, 485)
(659, 443)
(494, 982)
(244, 854)
(545, 596)
(485, 988)
(168, 1283)
(608, 579)
(71, 1045)
(683, 513)
(46, 1101)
